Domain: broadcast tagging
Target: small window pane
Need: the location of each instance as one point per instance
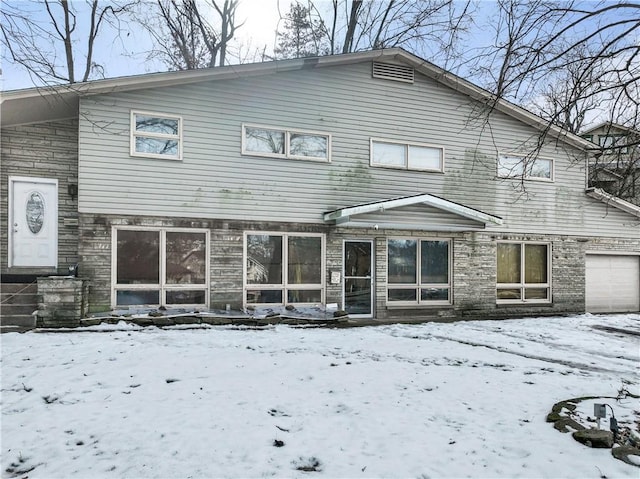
(535, 263)
(186, 297)
(264, 259)
(186, 258)
(137, 297)
(402, 295)
(389, 154)
(402, 256)
(261, 140)
(540, 169)
(313, 146)
(256, 296)
(156, 146)
(165, 126)
(435, 262)
(305, 260)
(509, 293)
(423, 158)
(510, 166)
(536, 293)
(508, 263)
(304, 296)
(434, 294)
(138, 257)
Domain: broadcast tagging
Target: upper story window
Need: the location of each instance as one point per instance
(408, 156)
(510, 166)
(281, 143)
(156, 135)
(613, 142)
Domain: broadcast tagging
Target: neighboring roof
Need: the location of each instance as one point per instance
(343, 215)
(609, 125)
(614, 201)
(42, 104)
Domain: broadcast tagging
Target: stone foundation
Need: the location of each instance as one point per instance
(62, 301)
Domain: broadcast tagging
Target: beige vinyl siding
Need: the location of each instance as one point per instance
(214, 180)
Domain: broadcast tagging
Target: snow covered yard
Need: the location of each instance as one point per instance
(466, 399)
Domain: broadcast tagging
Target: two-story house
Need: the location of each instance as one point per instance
(373, 180)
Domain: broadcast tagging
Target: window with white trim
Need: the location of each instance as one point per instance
(524, 167)
(283, 143)
(156, 135)
(613, 143)
(407, 156)
(418, 271)
(523, 271)
(284, 268)
(160, 267)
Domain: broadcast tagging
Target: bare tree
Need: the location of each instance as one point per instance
(54, 40)
(427, 27)
(573, 62)
(191, 34)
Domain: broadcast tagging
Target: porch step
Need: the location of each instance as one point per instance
(17, 302)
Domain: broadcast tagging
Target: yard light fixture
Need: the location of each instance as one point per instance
(600, 411)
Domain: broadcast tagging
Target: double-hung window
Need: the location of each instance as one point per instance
(523, 273)
(418, 271)
(511, 166)
(166, 267)
(284, 143)
(407, 156)
(156, 135)
(284, 268)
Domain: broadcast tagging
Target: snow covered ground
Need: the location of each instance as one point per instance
(467, 399)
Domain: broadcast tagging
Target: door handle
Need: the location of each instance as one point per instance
(15, 227)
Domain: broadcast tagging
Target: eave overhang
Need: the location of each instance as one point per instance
(614, 201)
(344, 216)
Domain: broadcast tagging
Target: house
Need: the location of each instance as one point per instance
(373, 180)
(616, 167)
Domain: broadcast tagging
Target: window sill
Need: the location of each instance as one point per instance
(547, 304)
(418, 306)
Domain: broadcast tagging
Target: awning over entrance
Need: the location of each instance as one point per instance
(419, 212)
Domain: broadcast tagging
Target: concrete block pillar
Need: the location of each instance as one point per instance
(62, 301)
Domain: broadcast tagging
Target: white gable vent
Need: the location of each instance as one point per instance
(393, 72)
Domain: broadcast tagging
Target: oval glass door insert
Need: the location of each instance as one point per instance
(35, 212)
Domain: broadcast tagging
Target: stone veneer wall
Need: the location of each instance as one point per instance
(43, 150)
(474, 265)
(62, 301)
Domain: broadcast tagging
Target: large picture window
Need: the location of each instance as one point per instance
(523, 272)
(389, 154)
(418, 271)
(522, 167)
(156, 135)
(284, 268)
(160, 267)
(281, 143)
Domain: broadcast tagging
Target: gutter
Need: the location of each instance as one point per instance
(608, 199)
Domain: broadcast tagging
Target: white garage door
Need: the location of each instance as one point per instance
(613, 283)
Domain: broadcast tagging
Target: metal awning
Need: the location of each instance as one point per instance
(345, 216)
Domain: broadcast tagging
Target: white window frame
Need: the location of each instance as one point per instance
(287, 143)
(613, 143)
(524, 175)
(522, 285)
(418, 285)
(284, 286)
(407, 146)
(157, 136)
(162, 286)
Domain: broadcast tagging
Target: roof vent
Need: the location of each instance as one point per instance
(393, 72)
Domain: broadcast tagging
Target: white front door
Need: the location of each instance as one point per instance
(33, 222)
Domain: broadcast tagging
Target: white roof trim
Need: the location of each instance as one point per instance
(614, 201)
(342, 215)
